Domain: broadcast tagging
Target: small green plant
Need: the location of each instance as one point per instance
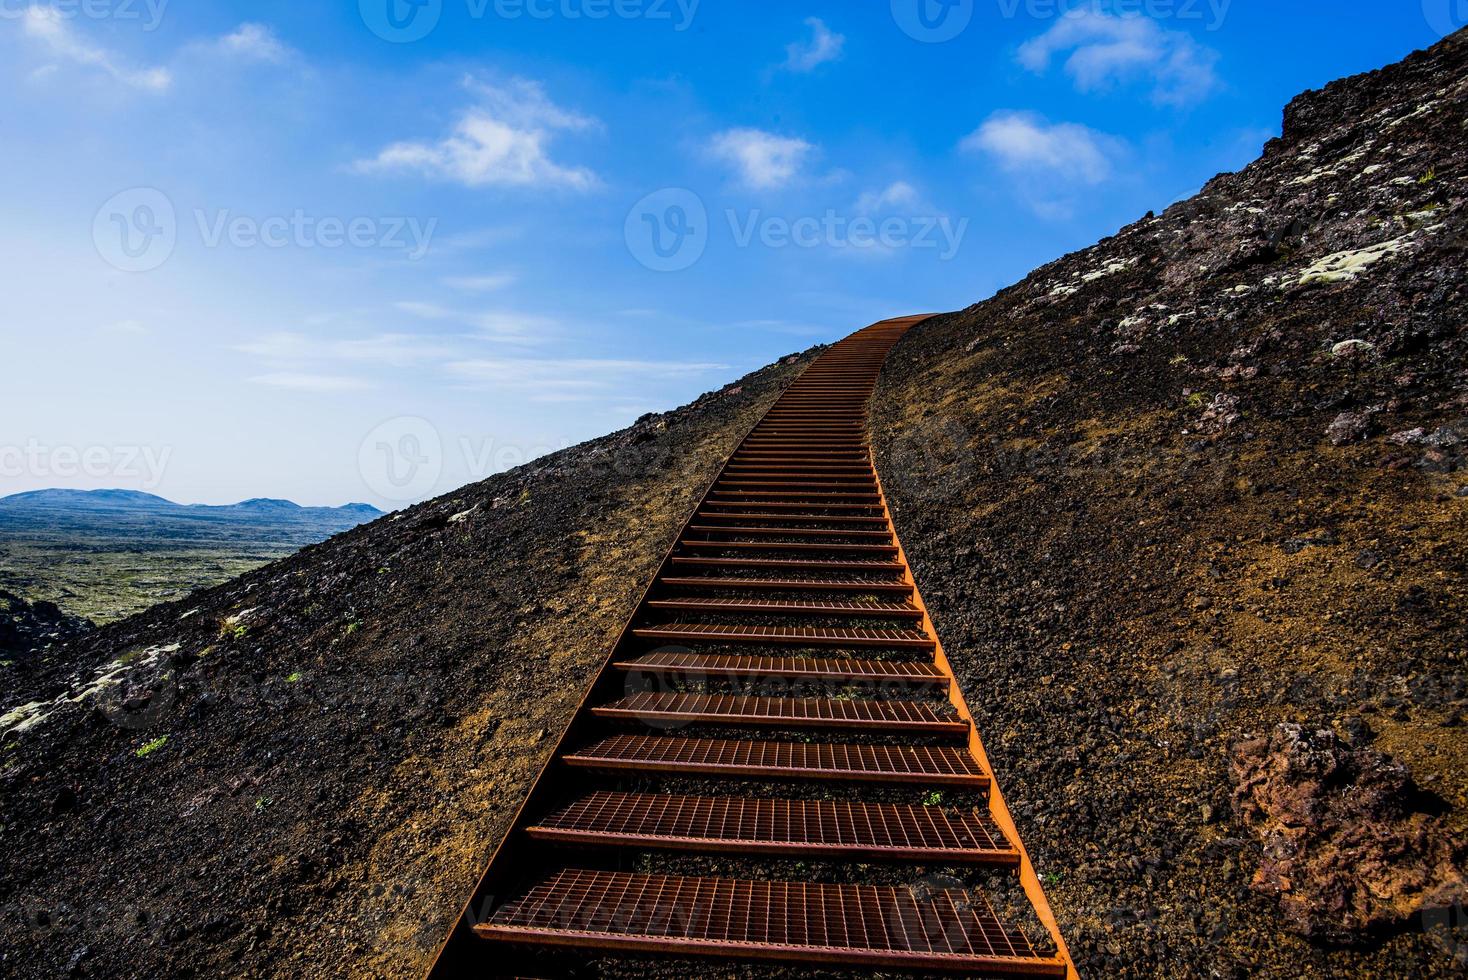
(935, 798)
(1428, 177)
(1180, 359)
(234, 631)
(1050, 879)
(152, 746)
(7, 663)
(295, 678)
(352, 627)
(262, 803)
(1196, 400)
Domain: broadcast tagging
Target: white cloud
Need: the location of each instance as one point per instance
(823, 46)
(899, 194)
(481, 284)
(310, 382)
(764, 160)
(1108, 49)
(255, 42)
(1056, 153)
(502, 141)
(50, 27)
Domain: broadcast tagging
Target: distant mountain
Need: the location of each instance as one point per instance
(113, 514)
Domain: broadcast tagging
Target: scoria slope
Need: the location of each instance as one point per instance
(1196, 500)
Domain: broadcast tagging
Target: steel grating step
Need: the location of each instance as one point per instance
(791, 532)
(862, 925)
(693, 666)
(792, 607)
(789, 635)
(790, 518)
(912, 764)
(788, 584)
(792, 828)
(801, 564)
(660, 708)
(870, 549)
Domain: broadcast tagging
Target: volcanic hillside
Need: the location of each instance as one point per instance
(1189, 510)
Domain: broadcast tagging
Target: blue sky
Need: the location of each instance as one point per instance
(372, 251)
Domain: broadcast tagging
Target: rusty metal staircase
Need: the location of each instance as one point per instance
(778, 697)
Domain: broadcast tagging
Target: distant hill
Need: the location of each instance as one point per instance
(111, 514)
(106, 554)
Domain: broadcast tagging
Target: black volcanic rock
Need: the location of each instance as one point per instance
(29, 627)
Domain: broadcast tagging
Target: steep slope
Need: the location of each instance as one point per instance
(299, 773)
(1202, 481)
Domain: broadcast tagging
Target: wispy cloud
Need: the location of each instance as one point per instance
(254, 42)
(1111, 49)
(323, 383)
(126, 328)
(388, 349)
(823, 46)
(501, 325)
(898, 194)
(763, 161)
(572, 379)
(1023, 142)
(481, 284)
(48, 26)
(502, 141)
